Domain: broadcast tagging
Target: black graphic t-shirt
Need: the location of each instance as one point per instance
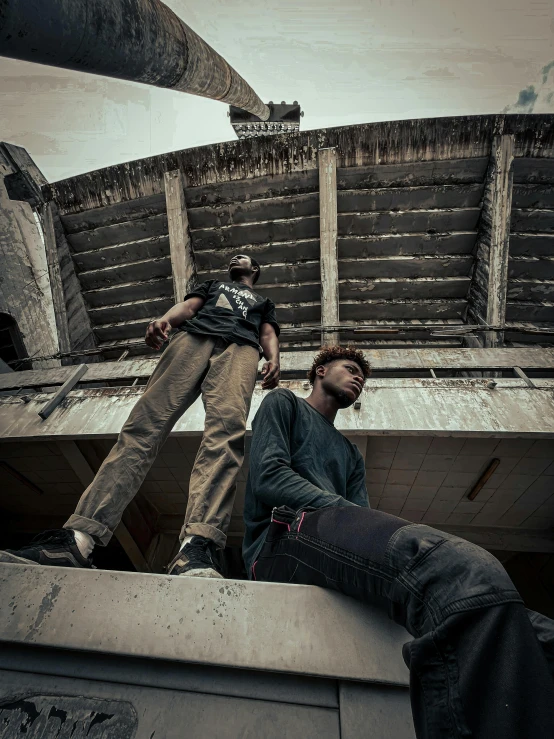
(232, 311)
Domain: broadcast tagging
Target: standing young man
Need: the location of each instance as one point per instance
(479, 661)
(223, 327)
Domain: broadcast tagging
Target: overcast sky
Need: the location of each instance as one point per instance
(352, 61)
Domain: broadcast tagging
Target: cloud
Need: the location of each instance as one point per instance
(439, 72)
(537, 99)
(545, 72)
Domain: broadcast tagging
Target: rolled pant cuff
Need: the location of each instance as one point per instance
(101, 533)
(205, 530)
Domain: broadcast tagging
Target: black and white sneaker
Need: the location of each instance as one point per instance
(195, 559)
(56, 547)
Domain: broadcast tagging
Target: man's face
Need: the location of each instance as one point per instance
(343, 379)
(240, 266)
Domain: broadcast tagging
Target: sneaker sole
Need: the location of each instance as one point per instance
(9, 558)
(198, 572)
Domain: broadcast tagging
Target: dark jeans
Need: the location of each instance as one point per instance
(479, 662)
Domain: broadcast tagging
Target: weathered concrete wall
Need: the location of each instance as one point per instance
(409, 406)
(223, 658)
(364, 145)
(24, 285)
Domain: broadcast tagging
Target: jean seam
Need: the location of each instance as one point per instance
(387, 573)
(475, 602)
(391, 542)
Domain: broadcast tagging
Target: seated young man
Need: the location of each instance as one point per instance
(479, 660)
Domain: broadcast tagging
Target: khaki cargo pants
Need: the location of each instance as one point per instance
(225, 375)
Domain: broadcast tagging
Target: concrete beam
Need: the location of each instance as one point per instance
(174, 618)
(300, 361)
(182, 256)
(404, 407)
(487, 297)
(56, 285)
(328, 245)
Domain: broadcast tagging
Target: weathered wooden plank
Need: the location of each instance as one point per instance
(328, 244)
(253, 188)
(119, 233)
(411, 221)
(160, 287)
(533, 196)
(274, 274)
(380, 359)
(252, 211)
(122, 330)
(291, 252)
(405, 266)
(144, 308)
(526, 333)
(149, 248)
(430, 221)
(369, 310)
(539, 220)
(256, 233)
(531, 244)
(530, 311)
(403, 288)
(183, 266)
(145, 269)
(410, 174)
(304, 292)
(410, 198)
(393, 244)
(531, 290)
(56, 285)
(531, 267)
(110, 214)
(309, 312)
(487, 296)
(534, 170)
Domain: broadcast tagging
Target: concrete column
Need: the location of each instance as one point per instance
(328, 245)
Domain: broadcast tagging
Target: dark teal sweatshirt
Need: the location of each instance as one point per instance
(297, 459)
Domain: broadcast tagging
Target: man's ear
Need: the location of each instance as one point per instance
(320, 371)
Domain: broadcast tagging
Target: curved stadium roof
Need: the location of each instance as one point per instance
(413, 225)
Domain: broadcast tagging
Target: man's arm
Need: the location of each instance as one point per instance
(269, 342)
(158, 331)
(271, 477)
(356, 490)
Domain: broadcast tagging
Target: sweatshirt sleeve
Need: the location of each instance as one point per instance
(272, 478)
(355, 487)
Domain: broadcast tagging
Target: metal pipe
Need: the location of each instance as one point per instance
(137, 40)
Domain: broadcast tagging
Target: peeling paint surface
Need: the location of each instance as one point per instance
(440, 407)
(66, 717)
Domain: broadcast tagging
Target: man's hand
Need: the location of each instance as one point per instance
(157, 333)
(270, 373)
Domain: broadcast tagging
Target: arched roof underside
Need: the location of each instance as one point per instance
(441, 224)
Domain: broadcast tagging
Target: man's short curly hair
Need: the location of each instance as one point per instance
(330, 353)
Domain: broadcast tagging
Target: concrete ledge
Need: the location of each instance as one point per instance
(391, 406)
(295, 629)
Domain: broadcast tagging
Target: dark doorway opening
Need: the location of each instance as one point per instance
(12, 348)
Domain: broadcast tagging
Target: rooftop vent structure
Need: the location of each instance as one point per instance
(283, 118)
